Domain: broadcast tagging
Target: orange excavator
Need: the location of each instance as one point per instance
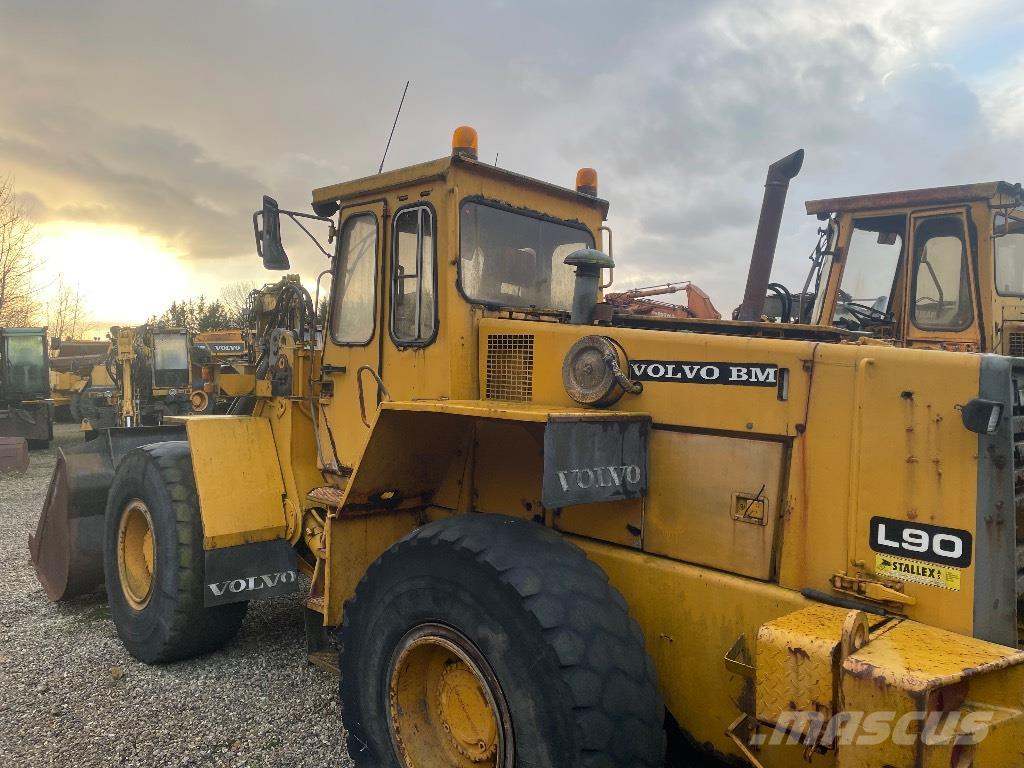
(638, 301)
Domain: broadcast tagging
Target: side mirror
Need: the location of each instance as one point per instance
(268, 240)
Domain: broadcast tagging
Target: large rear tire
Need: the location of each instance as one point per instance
(485, 640)
(153, 559)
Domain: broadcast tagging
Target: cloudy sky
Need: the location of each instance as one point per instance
(141, 135)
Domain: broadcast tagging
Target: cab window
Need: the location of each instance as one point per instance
(413, 298)
(170, 360)
(24, 363)
(872, 262)
(1008, 244)
(352, 316)
(941, 297)
(512, 258)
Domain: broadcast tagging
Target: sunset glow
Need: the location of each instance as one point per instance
(124, 276)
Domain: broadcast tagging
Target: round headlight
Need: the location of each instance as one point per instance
(587, 375)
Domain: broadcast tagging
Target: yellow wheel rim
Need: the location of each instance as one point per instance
(445, 706)
(136, 554)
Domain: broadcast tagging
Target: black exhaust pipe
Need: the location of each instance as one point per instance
(776, 185)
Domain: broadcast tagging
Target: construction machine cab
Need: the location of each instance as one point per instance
(935, 268)
(25, 406)
(171, 368)
(24, 374)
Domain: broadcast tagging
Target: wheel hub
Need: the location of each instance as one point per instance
(445, 706)
(465, 714)
(136, 554)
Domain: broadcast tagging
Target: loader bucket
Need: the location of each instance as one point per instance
(13, 454)
(67, 548)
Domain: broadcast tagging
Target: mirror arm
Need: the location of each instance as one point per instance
(332, 232)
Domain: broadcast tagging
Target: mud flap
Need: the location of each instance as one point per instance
(594, 458)
(250, 572)
(67, 548)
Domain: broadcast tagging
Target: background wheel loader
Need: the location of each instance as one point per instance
(216, 353)
(151, 371)
(544, 528)
(26, 409)
(938, 268)
(79, 380)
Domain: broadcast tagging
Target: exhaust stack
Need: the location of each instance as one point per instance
(588, 262)
(776, 185)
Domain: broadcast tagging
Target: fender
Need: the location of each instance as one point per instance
(238, 479)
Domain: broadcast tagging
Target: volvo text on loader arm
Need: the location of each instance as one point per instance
(544, 530)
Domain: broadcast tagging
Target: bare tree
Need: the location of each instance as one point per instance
(234, 298)
(66, 313)
(18, 306)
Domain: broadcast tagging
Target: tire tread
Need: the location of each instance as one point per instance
(618, 711)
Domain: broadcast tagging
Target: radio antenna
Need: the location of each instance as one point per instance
(404, 91)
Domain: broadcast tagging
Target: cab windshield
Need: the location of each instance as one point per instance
(867, 290)
(512, 258)
(170, 360)
(24, 364)
(1008, 247)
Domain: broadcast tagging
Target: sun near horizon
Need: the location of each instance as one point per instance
(124, 276)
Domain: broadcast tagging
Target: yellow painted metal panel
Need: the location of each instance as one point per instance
(235, 384)
(238, 478)
(795, 663)
(691, 616)
(714, 500)
(900, 674)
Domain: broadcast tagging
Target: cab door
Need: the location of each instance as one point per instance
(941, 310)
(415, 363)
(352, 335)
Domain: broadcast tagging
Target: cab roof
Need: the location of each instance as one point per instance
(327, 199)
(962, 193)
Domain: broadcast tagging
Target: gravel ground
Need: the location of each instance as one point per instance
(70, 695)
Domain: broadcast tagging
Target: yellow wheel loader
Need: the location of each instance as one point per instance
(151, 373)
(937, 268)
(213, 354)
(545, 531)
(78, 378)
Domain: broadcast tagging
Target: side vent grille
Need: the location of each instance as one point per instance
(509, 367)
(1017, 344)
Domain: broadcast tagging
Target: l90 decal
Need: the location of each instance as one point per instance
(920, 541)
(682, 372)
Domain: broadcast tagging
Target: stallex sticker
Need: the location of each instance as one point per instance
(682, 372)
(918, 572)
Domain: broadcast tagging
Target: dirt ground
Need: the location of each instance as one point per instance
(70, 695)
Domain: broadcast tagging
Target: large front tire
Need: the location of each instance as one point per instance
(484, 640)
(154, 561)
